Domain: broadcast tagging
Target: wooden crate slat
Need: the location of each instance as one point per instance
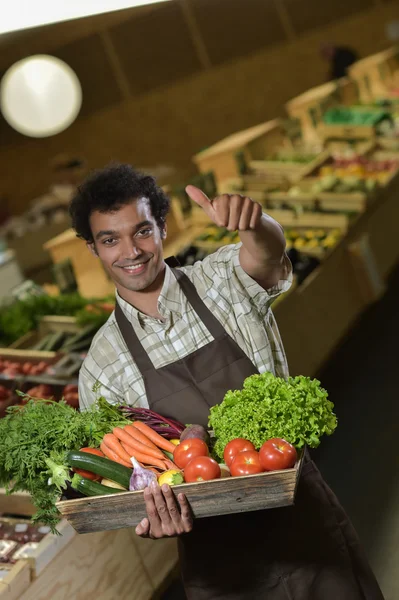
(209, 498)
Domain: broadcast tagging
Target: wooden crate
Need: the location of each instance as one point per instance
(348, 91)
(309, 103)
(346, 132)
(20, 350)
(260, 140)
(346, 203)
(16, 582)
(374, 74)
(289, 171)
(97, 566)
(207, 498)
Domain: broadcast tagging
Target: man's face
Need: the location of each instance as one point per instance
(128, 242)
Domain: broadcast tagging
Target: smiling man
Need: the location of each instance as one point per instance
(178, 340)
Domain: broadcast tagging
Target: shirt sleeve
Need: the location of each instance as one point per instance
(87, 393)
(224, 268)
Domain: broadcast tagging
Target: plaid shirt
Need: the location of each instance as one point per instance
(237, 301)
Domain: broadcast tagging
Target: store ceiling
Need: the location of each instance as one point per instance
(123, 55)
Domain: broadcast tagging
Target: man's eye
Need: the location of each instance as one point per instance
(109, 241)
(144, 232)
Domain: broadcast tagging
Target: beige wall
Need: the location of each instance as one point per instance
(169, 125)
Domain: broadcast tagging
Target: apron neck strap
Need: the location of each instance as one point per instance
(209, 320)
(133, 343)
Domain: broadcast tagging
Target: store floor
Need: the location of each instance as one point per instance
(360, 461)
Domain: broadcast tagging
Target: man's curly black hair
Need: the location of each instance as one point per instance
(108, 189)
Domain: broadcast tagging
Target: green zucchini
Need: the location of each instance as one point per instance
(100, 466)
(92, 488)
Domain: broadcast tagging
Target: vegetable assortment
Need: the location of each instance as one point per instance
(51, 450)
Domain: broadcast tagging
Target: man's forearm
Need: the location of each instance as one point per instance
(262, 254)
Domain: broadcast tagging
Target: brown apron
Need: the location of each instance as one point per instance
(309, 551)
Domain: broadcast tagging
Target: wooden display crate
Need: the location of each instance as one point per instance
(345, 203)
(221, 158)
(346, 132)
(74, 566)
(20, 351)
(289, 171)
(308, 108)
(16, 582)
(348, 91)
(207, 499)
(24, 571)
(374, 74)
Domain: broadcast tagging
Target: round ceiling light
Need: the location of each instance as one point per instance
(40, 96)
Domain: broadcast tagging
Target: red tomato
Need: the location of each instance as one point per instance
(246, 463)
(234, 447)
(187, 450)
(277, 454)
(88, 474)
(201, 468)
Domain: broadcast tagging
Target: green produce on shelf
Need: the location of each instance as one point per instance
(292, 157)
(23, 316)
(308, 240)
(354, 116)
(344, 185)
(312, 239)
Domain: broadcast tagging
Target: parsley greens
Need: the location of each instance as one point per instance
(34, 441)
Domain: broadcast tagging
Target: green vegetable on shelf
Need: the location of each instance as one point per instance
(296, 409)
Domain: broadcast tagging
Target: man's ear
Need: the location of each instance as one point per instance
(92, 248)
(164, 232)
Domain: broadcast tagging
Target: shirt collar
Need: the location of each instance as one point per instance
(168, 301)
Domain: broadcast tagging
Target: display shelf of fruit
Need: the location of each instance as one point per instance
(286, 166)
(359, 174)
(302, 264)
(355, 116)
(355, 122)
(213, 237)
(305, 195)
(315, 242)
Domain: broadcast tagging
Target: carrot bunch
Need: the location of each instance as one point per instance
(142, 442)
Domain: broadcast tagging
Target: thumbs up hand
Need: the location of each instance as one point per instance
(233, 211)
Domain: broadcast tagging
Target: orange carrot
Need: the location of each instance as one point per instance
(113, 455)
(157, 439)
(140, 437)
(144, 458)
(134, 444)
(112, 442)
